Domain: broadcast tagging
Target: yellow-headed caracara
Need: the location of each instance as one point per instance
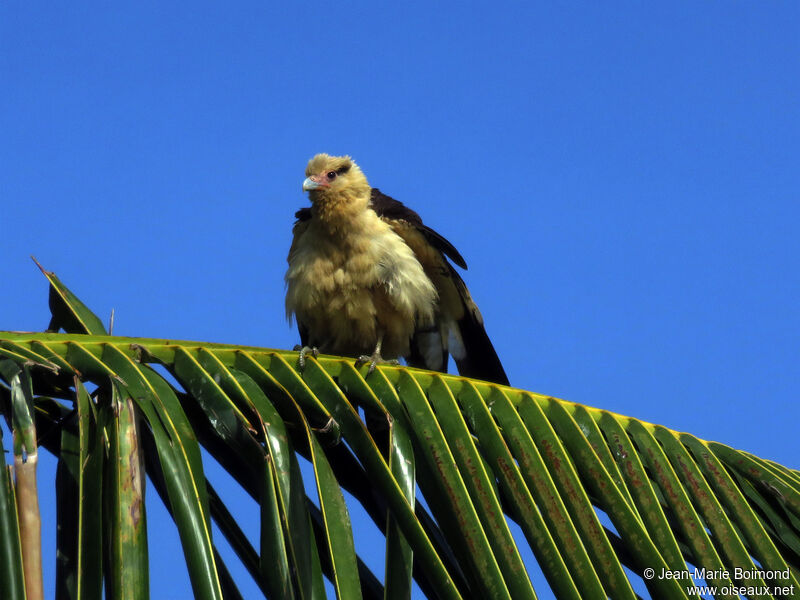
(368, 279)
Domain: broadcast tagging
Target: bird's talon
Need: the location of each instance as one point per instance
(374, 360)
(304, 351)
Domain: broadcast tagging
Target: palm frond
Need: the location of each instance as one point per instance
(600, 498)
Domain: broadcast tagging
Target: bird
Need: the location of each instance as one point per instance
(368, 279)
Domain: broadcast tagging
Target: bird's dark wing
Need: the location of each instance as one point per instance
(304, 214)
(459, 328)
(392, 210)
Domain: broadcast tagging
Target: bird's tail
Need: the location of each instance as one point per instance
(479, 359)
(459, 332)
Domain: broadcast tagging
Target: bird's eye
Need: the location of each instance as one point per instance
(331, 175)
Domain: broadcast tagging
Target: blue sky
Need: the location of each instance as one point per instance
(622, 179)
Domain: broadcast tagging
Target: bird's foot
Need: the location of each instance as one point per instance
(305, 350)
(375, 359)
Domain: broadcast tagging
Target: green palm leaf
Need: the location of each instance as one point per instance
(599, 498)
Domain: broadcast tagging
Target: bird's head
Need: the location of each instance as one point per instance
(334, 175)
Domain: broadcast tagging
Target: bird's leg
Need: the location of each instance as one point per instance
(375, 358)
(304, 350)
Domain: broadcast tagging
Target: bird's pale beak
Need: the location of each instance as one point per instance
(309, 184)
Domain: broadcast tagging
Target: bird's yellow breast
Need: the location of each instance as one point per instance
(349, 289)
